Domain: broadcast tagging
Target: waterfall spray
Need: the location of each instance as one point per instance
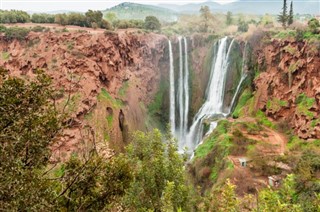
(172, 93)
(186, 87)
(215, 95)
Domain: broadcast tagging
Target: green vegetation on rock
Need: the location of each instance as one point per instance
(263, 119)
(218, 137)
(242, 102)
(123, 90)
(275, 104)
(304, 103)
(5, 56)
(105, 96)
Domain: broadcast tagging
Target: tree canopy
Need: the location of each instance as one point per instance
(152, 23)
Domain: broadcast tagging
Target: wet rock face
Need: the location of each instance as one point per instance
(124, 64)
(288, 90)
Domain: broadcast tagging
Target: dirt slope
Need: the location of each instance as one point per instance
(96, 75)
(288, 89)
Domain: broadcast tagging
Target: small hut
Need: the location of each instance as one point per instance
(274, 180)
(243, 162)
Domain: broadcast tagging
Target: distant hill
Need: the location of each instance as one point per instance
(249, 6)
(140, 11)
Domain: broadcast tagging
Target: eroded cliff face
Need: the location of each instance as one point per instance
(289, 88)
(104, 81)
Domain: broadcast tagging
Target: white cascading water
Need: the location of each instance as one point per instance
(215, 95)
(180, 91)
(181, 101)
(213, 105)
(186, 88)
(172, 92)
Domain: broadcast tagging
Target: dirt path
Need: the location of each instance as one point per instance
(266, 135)
(278, 139)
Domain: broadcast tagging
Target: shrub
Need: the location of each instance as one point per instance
(2, 28)
(38, 29)
(106, 25)
(152, 23)
(243, 26)
(18, 33)
(313, 25)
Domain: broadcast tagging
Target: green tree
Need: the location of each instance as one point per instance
(313, 25)
(111, 17)
(290, 17)
(152, 23)
(14, 16)
(283, 199)
(94, 17)
(28, 126)
(243, 26)
(283, 17)
(77, 19)
(228, 200)
(159, 176)
(229, 18)
(42, 18)
(206, 16)
(61, 19)
(94, 184)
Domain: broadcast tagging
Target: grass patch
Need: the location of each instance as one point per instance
(218, 136)
(297, 144)
(286, 34)
(304, 103)
(5, 56)
(263, 120)
(245, 96)
(59, 172)
(110, 120)
(105, 96)
(123, 90)
(106, 136)
(275, 104)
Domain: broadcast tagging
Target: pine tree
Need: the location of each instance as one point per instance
(283, 17)
(290, 18)
(229, 18)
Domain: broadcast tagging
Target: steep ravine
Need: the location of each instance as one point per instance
(105, 82)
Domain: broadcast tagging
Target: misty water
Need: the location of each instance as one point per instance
(190, 136)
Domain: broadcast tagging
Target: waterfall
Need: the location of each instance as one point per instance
(215, 95)
(213, 106)
(172, 93)
(180, 91)
(181, 97)
(186, 87)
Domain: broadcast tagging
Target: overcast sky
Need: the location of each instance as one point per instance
(81, 5)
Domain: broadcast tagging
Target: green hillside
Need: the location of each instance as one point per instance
(140, 11)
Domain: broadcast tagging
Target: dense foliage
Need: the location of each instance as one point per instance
(152, 23)
(14, 16)
(91, 18)
(42, 18)
(28, 125)
(149, 176)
